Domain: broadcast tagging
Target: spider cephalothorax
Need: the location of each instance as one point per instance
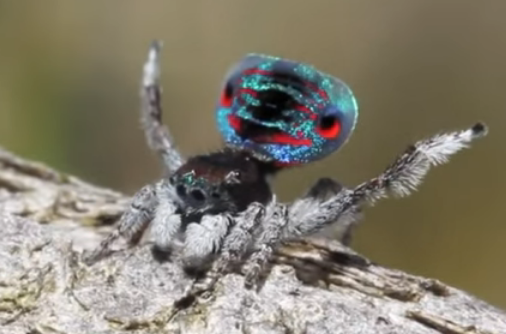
(223, 181)
(272, 113)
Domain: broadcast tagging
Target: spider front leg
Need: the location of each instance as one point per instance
(307, 216)
(235, 246)
(166, 222)
(132, 223)
(157, 135)
(204, 239)
(151, 204)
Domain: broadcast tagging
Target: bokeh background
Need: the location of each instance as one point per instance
(69, 78)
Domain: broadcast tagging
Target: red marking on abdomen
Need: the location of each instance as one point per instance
(306, 110)
(249, 91)
(226, 99)
(256, 71)
(243, 91)
(303, 108)
(332, 132)
(323, 94)
(234, 122)
(281, 138)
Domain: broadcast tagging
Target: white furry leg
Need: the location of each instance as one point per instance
(132, 224)
(309, 215)
(157, 135)
(204, 239)
(234, 247)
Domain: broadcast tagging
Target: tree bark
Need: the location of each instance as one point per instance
(316, 286)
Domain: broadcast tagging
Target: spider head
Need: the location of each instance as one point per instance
(223, 181)
(284, 111)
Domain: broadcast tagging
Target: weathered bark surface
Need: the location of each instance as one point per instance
(47, 218)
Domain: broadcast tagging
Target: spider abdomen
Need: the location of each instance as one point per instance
(285, 111)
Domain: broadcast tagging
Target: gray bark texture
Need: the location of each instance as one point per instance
(48, 218)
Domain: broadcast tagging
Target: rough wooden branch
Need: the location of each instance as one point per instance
(314, 287)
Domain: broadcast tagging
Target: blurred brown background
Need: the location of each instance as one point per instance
(69, 76)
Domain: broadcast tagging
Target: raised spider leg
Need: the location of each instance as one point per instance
(157, 135)
(142, 208)
(132, 223)
(400, 178)
(309, 215)
(324, 189)
(235, 246)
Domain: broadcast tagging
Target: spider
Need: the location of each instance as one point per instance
(218, 209)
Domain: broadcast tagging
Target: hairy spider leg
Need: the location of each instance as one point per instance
(166, 222)
(272, 233)
(132, 224)
(309, 215)
(144, 206)
(157, 135)
(204, 239)
(403, 176)
(235, 246)
(265, 244)
(326, 188)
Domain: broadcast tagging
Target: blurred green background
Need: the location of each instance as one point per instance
(69, 77)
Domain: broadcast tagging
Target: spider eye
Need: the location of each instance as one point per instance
(226, 95)
(215, 195)
(198, 195)
(329, 127)
(181, 190)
